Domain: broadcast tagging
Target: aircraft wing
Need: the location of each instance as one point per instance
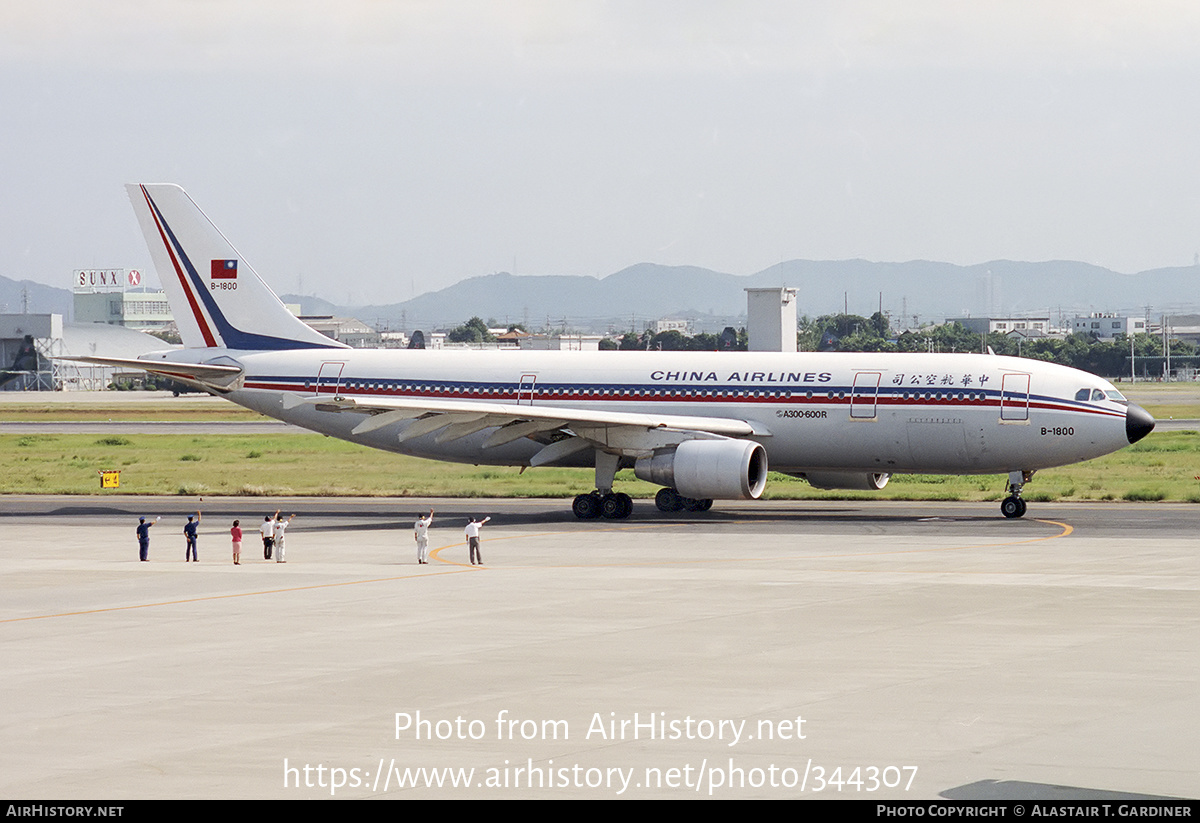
(627, 433)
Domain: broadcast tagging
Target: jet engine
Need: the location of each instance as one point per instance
(708, 469)
(871, 481)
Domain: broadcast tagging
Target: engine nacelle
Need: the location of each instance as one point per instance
(871, 481)
(708, 469)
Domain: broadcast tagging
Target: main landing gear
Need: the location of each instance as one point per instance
(603, 502)
(1013, 505)
(669, 500)
(611, 506)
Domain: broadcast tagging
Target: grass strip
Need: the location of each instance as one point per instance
(1164, 466)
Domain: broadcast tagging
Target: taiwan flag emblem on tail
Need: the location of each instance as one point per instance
(224, 270)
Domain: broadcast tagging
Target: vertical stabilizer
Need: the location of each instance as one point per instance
(218, 300)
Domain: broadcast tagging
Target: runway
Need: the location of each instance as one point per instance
(778, 649)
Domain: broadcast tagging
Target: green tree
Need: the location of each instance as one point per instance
(630, 341)
(672, 340)
(473, 331)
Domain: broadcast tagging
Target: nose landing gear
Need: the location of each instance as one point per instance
(1013, 506)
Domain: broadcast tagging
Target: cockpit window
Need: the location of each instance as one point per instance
(1095, 395)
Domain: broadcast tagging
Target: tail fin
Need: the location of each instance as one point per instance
(217, 299)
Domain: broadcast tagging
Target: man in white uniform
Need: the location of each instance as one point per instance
(280, 532)
(472, 533)
(421, 533)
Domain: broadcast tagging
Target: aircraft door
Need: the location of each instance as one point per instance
(1014, 397)
(525, 389)
(864, 395)
(329, 378)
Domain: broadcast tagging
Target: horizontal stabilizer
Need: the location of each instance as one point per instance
(202, 372)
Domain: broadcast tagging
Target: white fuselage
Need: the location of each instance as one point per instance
(896, 413)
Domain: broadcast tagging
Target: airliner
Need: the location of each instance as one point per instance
(703, 425)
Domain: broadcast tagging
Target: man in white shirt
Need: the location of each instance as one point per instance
(267, 529)
(421, 533)
(472, 532)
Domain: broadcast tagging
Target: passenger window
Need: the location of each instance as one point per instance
(1082, 394)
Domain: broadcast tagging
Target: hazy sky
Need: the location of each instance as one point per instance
(373, 150)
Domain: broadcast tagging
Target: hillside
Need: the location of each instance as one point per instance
(928, 290)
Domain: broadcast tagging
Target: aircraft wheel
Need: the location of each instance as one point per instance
(586, 506)
(668, 500)
(694, 505)
(705, 504)
(1013, 507)
(616, 506)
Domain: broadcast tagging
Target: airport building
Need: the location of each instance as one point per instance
(771, 319)
(116, 297)
(30, 342)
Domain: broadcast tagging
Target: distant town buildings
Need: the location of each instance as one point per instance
(348, 330)
(1101, 325)
(561, 342)
(1105, 326)
(1028, 326)
(681, 325)
(1182, 327)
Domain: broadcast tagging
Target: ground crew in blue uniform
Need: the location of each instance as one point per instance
(143, 534)
(189, 533)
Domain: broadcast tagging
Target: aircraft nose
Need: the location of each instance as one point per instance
(1138, 423)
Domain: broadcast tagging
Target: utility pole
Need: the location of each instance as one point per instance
(1166, 321)
(1132, 367)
